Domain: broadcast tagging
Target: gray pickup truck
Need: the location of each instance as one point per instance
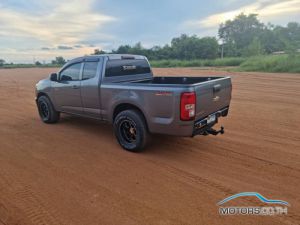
(121, 90)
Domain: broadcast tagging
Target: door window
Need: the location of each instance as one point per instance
(89, 70)
(71, 73)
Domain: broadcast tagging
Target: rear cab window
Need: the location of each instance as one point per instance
(126, 67)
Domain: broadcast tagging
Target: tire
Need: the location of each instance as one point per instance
(131, 130)
(46, 110)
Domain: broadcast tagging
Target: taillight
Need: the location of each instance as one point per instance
(187, 106)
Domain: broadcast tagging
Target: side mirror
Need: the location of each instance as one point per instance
(53, 77)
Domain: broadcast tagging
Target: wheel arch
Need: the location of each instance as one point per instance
(127, 106)
(40, 94)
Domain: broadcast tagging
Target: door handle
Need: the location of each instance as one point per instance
(75, 86)
(217, 88)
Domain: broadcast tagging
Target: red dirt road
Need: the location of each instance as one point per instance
(74, 172)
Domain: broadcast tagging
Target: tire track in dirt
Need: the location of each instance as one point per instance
(4, 215)
(29, 205)
(72, 173)
(179, 173)
(218, 187)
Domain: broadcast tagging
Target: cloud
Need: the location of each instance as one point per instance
(48, 28)
(45, 54)
(267, 10)
(36, 28)
(59, 22)
(63, 47)
(45, 48)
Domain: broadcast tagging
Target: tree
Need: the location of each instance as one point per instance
(191, 47)
(183, 47)
(254, 48)
(270, 41)
(123, 49)
(245, 35)
(137, 49)
(290, 36)
(2, 61)
(59, 61)
(159, 53)
(240, 32)
(208, 48)
(98, 52)
(37, 63)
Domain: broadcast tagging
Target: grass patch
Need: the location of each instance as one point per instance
(274, 63)
(197, 62)
(15, 66)
(264, 63)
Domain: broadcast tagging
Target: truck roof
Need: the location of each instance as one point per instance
(110, 57)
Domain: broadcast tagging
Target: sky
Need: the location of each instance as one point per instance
(35, 30)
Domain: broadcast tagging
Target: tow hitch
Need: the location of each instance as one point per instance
(212, 131)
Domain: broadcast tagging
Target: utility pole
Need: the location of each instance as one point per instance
(222, 50)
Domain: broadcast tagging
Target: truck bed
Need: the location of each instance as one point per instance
(177, 80)
(212, 93)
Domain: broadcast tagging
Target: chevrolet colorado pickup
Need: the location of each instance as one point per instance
(121, 90)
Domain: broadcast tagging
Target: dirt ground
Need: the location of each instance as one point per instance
(74, 172)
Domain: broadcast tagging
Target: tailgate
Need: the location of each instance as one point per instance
(212, 96)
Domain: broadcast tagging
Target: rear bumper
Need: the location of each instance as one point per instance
(184, 128)
(201, 125)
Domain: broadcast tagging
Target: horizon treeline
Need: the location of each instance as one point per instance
(243, 36)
